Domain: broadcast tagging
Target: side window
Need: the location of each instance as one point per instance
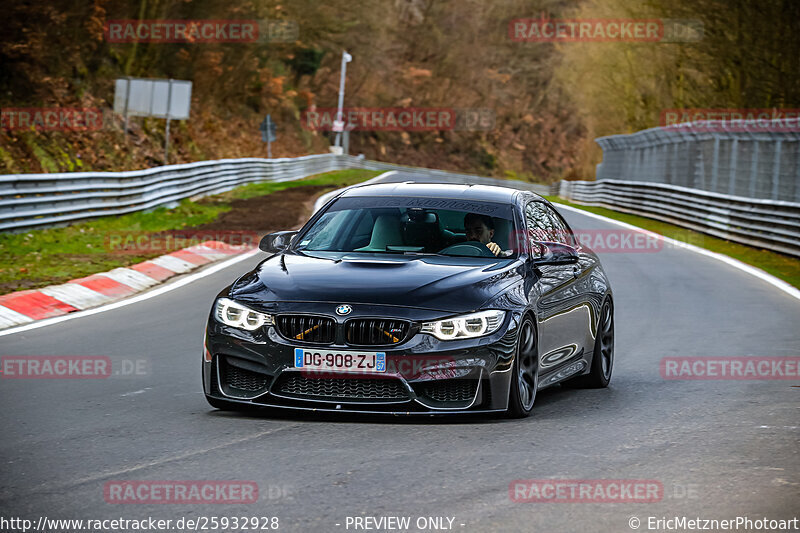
(538, 223)
(562, 231)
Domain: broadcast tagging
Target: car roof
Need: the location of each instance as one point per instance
(486, 193)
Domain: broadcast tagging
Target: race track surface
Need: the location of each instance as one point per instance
(721, 449)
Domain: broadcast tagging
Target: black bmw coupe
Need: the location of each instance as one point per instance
(414, 298)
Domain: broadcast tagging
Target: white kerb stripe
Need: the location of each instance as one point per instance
(157, 291)
(9, 317)
(76, 295)
(131, 278)
(210, 253)
(173, 263)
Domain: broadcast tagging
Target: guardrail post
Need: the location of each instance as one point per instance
(776, 170)
(674, 177)
(654, 164)
(754, 169)
(715, 166)
(797, 177)
(734, 155)
(625, 165)
(699, 168)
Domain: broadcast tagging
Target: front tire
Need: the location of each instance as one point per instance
(525, 379)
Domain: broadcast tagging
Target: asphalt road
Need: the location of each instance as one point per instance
(721, 449)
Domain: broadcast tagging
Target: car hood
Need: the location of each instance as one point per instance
(430, 282)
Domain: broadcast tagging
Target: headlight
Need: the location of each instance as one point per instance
(465, 326)
(232, 314)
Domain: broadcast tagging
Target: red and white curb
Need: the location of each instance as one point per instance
(23, 307)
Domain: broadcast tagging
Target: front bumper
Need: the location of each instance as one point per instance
(423, 374)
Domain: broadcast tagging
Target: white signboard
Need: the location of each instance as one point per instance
(138, 97)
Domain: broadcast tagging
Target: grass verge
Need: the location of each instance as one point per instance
(779, 265)
(38, 258)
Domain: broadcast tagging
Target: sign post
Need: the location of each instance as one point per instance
(127, 99)
(166, 136)
(268, 133)
(143, 97)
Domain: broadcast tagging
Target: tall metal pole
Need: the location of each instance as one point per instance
(269, 139)
(346, 58)
(166, 139)
(127, 99)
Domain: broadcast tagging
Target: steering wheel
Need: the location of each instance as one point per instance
(470, 248)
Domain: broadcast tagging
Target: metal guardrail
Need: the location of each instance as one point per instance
(36, 200)
(41, 200)
(769, 224)
(747, 158)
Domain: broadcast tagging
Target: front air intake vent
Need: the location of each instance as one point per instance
(307, 328)
(449, 390)
(342, 389)
(375, 331)
(237, 381)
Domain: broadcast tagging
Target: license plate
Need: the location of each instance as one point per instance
(339, 361)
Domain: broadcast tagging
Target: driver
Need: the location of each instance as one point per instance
(481, 228)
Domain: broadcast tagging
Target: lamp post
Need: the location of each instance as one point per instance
(338, 125)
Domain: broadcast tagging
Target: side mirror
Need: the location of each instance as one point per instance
(276, 242)
(554, 253)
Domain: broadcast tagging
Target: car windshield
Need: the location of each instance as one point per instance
(413, 226)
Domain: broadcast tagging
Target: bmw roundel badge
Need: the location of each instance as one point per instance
(343, 310)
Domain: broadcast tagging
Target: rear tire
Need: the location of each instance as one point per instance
(603, 356)
(525, 373)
